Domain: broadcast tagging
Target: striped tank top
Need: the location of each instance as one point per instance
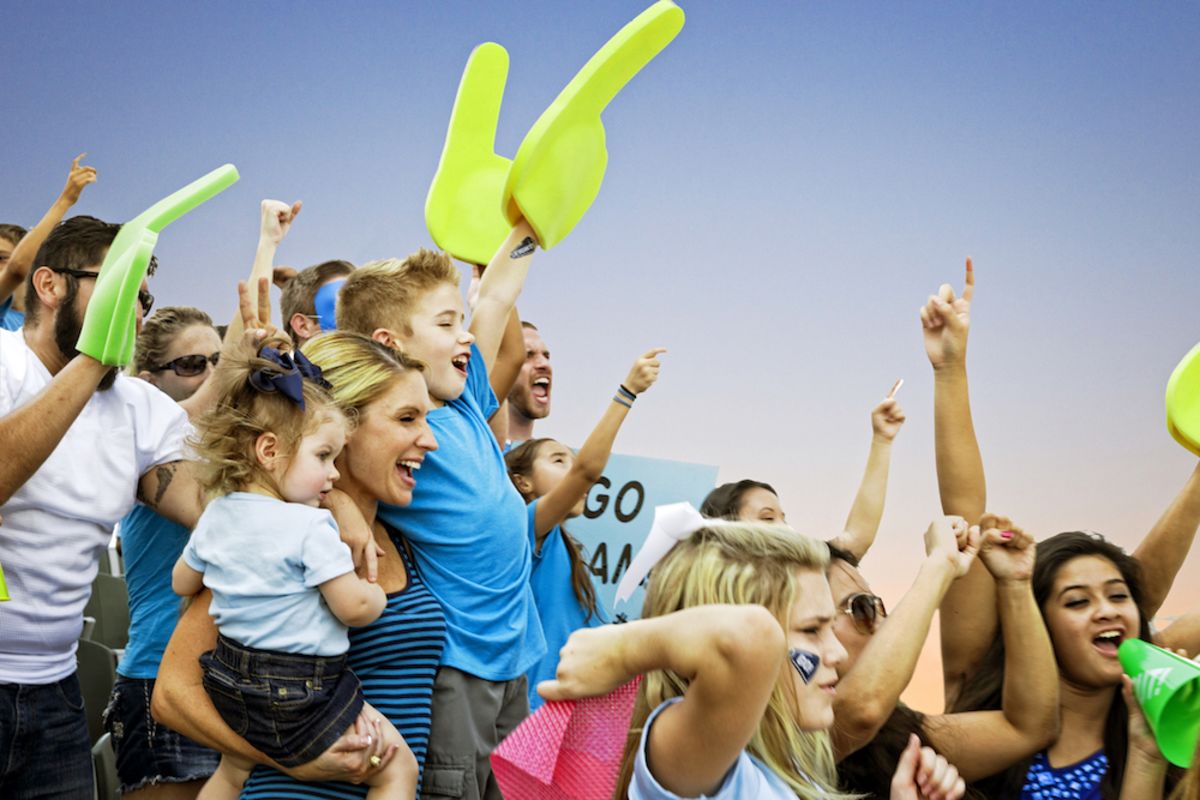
(396, 658)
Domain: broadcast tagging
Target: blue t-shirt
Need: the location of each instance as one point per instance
(557, 605)
(10, 320)
(396, 658)
(467, 526)
(150, 544)
(1079, 781)
(264, 559)
(748, 777)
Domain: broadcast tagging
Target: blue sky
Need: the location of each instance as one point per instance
(787, 183)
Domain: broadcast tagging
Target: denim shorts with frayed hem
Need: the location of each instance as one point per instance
(290, 706)
(148, 752)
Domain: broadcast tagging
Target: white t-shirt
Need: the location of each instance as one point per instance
(264, 559)
(57, 524)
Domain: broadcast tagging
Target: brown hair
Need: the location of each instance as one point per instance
(12, 233)
(519, 461)
(300, 293)
(381, 294)
(160, 331)
(226, 436)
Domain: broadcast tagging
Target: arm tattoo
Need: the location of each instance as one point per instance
(163, 474)
(524, 248)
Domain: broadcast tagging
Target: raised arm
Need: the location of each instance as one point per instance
(863, 523)
(983, 743)
(1181, 635)
(869, 691)
(591, 459)
(13, 274)
(499, 288)
(1165, 547)
(509, 361)
(730, 655)
(968, 618)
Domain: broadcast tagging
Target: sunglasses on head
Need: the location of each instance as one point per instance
(188, 366)
(144, 297)
(866, 610)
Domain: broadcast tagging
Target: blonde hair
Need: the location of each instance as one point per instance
(381, 294)
(741, 563)
(226, 436)
(359, 369)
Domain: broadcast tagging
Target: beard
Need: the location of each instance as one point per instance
(68, 325)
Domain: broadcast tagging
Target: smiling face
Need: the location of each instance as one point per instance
(310, 472)
(760, 505)
(810, 628)
(550, 466)
(390, 443)
(530, 395)
(845, 581)
(436, 336)
(1088, 612)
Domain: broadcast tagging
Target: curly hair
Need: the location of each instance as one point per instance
(226, 436)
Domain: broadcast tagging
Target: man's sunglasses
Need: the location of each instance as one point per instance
(188, 366)
(145, 298)
(866, 610)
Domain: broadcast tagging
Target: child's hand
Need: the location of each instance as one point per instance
(922, 774)
(78, 178)
(887, 417)
(945, 321)
(277, 218)
(644, 372)
(1006, 550)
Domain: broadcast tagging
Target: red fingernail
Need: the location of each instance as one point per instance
(1006, 534)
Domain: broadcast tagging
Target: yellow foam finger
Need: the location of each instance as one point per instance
(1183, 401)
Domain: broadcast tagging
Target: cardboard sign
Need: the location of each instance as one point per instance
(618, 513)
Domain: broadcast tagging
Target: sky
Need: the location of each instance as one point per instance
(787, 183)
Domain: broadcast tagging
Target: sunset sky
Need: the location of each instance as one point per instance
(787, 184)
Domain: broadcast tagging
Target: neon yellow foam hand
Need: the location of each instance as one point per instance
(110, 324)
(464, 207)
(558, 169)
(3, 587)
(1183, 401)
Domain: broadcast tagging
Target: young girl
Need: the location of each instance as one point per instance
(283, 583)
(737, 646)
(555, 483)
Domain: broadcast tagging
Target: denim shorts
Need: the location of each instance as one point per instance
(44, 749)
(290, 706)
(149, 753)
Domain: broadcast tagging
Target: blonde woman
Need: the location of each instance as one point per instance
(740, 663)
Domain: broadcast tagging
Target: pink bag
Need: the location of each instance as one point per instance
(567, 750)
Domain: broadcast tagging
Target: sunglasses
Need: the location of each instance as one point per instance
(144, 297)
(866, 610)
(188, 366)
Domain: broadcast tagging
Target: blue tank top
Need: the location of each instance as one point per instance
(1080, 781)
(396, 658)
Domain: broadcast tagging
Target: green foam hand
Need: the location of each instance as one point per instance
(3, 587)
(110, 324)
(1183, 401)
(558, 169)
(464, 207)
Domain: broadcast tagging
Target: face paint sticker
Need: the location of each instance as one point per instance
(325, 303)
(806, 663)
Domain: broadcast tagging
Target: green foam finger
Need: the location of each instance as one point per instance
(463, 209)
(3, 587)
(560, 165)
(110, 324)
(1183, 401)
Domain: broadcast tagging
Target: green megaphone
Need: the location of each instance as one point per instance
(1168, 689)
(110, 324)
(3, 587)
(1183, 401)
(560, 164)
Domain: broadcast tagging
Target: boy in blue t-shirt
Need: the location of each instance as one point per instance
(466, 523)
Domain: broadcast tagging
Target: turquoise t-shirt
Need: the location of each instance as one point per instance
(467, 525)
(557, 605)
(150, 544)
(10, 320)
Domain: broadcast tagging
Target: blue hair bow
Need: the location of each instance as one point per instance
(290, 382)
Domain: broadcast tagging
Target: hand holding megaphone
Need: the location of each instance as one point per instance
(1162, 690)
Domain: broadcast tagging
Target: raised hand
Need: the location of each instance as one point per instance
(79, 177)
(277, 218)
(922, 774)
(952, 539)
(589, 664)
(888, 417)
(945, 321)
(256, 312)
(1006, 550)
(645, 371)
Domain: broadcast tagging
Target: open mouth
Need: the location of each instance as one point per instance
(459, 362)
(1108, 642)
(407, 468)
(540, 391)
